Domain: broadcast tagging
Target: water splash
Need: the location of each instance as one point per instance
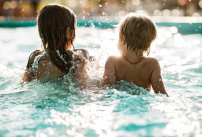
(60, 108)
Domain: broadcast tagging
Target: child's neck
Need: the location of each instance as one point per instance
(133, 57)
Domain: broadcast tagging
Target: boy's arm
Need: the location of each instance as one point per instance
(109, 72)
(156, 79)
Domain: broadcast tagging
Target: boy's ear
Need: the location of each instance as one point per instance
(123, 39)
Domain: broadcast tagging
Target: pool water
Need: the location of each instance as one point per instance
(59, 108)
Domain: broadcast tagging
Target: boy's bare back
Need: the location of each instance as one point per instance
(145, 73)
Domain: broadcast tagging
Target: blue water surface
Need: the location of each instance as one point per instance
(59, 108)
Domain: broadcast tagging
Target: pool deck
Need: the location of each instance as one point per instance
(185, 25)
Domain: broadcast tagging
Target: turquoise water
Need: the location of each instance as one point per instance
(61, 109)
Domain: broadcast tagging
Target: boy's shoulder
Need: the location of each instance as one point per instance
(112, 59)
(150, 62)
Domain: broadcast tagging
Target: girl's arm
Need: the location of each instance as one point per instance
(28, 76)
(86, 55)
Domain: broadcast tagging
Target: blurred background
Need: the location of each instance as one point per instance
(28, 9)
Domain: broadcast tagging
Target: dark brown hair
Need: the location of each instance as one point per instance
(138, 31)
(53, 22)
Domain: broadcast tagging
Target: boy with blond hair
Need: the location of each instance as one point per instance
(136, 33)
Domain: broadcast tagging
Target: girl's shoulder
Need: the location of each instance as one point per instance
(41, 66)
(38, 55)
(32, 57)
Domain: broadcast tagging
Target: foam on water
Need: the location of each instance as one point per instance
(59, 108)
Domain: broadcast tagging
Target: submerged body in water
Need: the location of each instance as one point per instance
(41, 67)
(60, 108)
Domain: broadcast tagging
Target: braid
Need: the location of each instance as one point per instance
(53, 22)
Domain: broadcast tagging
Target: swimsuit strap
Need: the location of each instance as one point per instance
(132, 62)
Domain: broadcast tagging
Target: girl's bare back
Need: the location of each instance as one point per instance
(41, 67)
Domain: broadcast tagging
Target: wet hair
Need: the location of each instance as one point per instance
(53, 22)
(138, 31)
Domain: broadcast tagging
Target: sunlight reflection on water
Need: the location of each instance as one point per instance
(61, 109)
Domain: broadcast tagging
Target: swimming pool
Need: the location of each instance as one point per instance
(60, 109)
